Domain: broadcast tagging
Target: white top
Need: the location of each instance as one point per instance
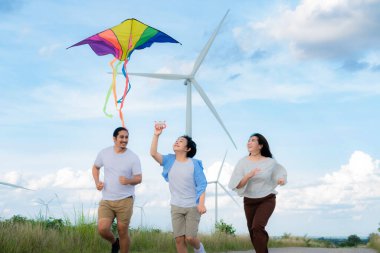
(181, 184)
(263, 183)
(126, 164)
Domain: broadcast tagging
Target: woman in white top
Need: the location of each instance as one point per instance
(255, 178)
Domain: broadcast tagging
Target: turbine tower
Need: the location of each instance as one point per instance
(45, 204)
(216, 182)
(142, 213)
(189, 81)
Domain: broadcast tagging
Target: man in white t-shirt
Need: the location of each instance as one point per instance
(122, 171)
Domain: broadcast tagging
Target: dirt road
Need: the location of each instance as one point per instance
(313, 250)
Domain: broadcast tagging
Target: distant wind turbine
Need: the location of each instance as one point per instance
(216, 182)
(141, 213)
(15, 186)
(189, 81)
(45, 204)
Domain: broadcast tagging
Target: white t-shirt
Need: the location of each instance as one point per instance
(181, 184)
(126, 164)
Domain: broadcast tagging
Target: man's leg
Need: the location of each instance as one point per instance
(124, 210)
(105, 219)
(123, 237)
(104, 229)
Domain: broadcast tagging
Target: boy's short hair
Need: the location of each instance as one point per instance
(192, 145)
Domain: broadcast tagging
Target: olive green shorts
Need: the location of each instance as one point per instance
(185, 221)
(121, 209)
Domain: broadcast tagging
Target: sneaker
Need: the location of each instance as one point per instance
(115, 246)
(200, 250)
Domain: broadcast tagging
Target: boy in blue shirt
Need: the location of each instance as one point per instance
(187, 184)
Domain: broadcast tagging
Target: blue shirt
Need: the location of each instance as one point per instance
(200, 181)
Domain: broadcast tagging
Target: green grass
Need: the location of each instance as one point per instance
(21, 235)
(374, 242)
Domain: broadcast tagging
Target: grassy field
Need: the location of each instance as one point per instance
(21, 235)
(374, 242)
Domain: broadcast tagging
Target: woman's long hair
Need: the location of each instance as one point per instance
(265, 150)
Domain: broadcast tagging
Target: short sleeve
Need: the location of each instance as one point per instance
(136, 168)
(99, 161)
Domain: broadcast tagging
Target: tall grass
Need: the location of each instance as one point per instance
(21, 235)
(374, 242)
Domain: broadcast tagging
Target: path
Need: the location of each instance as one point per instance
(313, 250)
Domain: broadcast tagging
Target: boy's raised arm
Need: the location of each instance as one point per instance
(158, 127)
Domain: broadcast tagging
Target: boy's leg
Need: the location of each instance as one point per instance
(105, 219)
(179, 225)
(180, 244)
(124, 210)
(193, 218)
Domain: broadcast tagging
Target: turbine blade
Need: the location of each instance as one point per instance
(221, 166)
(161, 76)
(229, 194)
(157, 75)
(211, 107)
(212, 182)
(15, 186)
(205, 49)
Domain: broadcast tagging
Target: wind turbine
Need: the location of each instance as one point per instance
(15, 186)
(216, 182)
(141, 213)
(189, 81)
(46, 204)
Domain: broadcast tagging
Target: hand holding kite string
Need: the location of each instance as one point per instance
(121, 41)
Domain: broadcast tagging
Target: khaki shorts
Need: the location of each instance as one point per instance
(121, 209)
(185, 221)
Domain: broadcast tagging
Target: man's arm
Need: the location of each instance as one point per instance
(95, 174)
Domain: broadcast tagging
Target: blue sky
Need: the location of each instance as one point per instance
(303, 73)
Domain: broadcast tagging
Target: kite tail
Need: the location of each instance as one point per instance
(110, 89)
(126, 90)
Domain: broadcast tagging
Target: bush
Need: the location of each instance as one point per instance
(222, 227)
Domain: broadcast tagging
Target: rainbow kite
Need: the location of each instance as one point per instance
(121, 41)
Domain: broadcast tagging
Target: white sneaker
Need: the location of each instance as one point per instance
(200, 250)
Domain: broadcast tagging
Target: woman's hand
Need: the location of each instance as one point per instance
(281, 181)
(253, 173)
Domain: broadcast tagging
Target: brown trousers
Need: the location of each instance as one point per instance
(257, 212)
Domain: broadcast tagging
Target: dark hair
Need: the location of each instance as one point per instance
(190, 144)
(119, 129)
(265, 150)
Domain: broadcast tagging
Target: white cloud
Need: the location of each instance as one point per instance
(323, 29)
(350, 189)
(66, 178)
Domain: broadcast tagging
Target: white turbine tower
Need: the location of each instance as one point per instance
(45, 204)
(141, 213)
(14, 186)
(216, 182)
(189, 81)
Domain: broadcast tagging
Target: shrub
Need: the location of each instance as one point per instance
(222, 227)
